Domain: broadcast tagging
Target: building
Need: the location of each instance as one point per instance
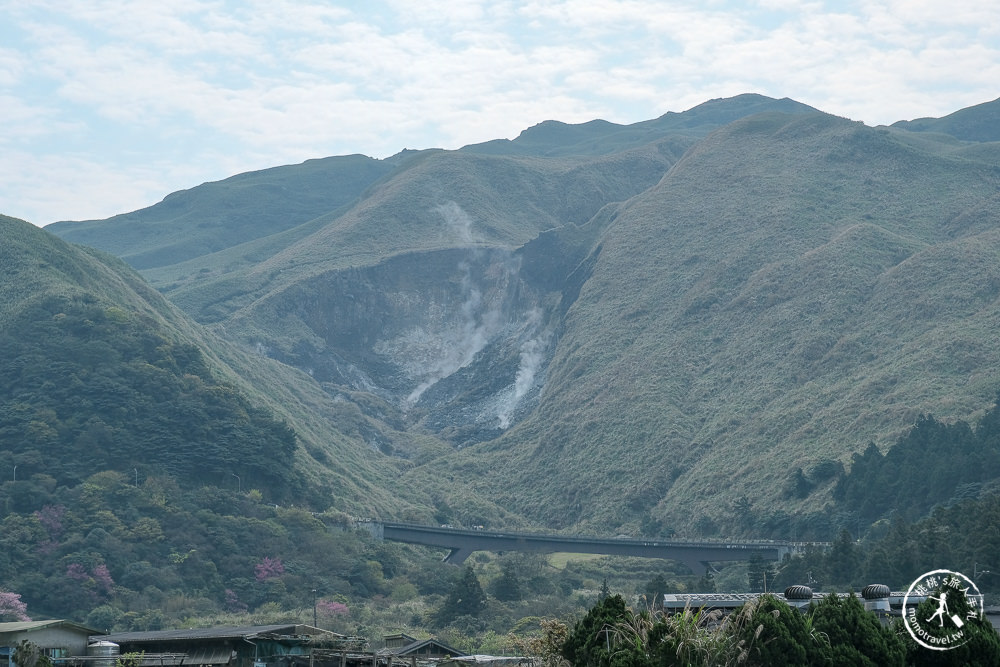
(877, 598)
(405, 647)
(487, 661)
(59, 640)
(245, 646)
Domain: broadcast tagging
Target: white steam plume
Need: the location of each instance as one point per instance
(457, 220)
(531, 356)
(458, 346)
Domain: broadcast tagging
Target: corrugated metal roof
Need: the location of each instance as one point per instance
(28, 626)
(206, 656)
(228, 632)
(419, 644)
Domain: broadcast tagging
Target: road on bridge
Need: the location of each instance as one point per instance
(696, 554)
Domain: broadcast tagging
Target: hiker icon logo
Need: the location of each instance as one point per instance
(937, 606)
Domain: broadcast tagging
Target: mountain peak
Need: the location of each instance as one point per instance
(979, 123)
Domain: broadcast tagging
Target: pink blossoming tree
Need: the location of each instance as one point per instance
(331, 608)
(11, 607)
(269, 568)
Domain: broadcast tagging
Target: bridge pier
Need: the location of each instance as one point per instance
(457, 555)
(696, 566)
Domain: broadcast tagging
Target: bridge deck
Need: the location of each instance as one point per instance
(696, 554)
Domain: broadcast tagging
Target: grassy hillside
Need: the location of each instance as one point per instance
(978, 123)
(101, 373)
(157, 476)
(795, 287)
(437, 200)
(215, 216)
(598, 137)
(625, 328)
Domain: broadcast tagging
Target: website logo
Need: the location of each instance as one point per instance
(938, 605)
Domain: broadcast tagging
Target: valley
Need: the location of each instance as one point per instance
(734, 323)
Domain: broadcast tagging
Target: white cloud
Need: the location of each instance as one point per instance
(48, 188)
(196, 87)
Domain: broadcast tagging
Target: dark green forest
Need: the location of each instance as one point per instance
(120, 554)
(107, 390)
(932, 500)
(935, 463)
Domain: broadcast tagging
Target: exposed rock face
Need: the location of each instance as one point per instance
(457, 339)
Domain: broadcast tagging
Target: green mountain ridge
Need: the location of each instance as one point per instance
(603, 328)
(979, 123)
(102, 373)
(791, 331)
(244, 207)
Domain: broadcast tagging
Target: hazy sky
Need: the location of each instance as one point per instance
(107, 106)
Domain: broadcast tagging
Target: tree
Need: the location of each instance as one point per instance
(548, 647)
(268, 568)
(843, 560)
(589, 643)
(760, 574)
(856, 636)
(781, 635)
(27, 654)
(133, 659)
(655, 589)
(103, 617)
(982, 643)
(507, 586)
(466, 598)
(799, 486)
(706, 584)
(743, 509)
(11, 607)
(605, 591)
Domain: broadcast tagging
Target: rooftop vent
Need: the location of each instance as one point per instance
(798, 592)
(876, 597)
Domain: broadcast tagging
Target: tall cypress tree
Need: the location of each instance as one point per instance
(507, 587)
(856, 636)
(466, 598)
(590, 642)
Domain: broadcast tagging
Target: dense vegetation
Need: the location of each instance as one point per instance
(934, 463)
(960, 537)
(711, 336)
(120, 555)
(767, 631)
(105, 389)
(709, 302)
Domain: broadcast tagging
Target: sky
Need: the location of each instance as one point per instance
(107, 106)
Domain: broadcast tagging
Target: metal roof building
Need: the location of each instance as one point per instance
(56, 638)
(233, 646)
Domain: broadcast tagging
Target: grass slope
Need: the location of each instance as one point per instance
(439, 200)
(793, 286)
(796, 286)
(979, 123)
(96, 342)
(219, 215)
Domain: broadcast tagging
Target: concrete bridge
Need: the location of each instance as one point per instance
(696, 554)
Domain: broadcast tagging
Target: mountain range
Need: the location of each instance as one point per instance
(595, 327)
